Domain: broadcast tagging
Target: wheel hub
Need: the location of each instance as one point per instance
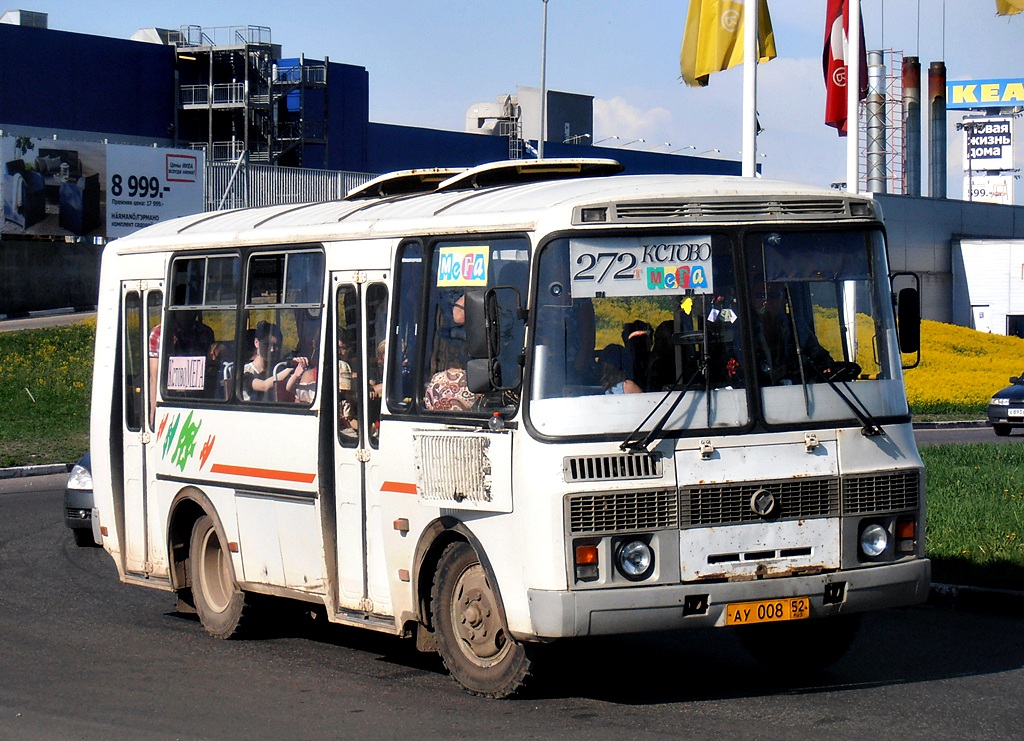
(476, 617)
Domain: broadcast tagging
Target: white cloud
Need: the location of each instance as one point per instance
(617, 117)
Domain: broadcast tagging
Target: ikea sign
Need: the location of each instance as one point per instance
(985, 93)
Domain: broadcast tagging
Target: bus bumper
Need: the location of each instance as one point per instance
(636, 609)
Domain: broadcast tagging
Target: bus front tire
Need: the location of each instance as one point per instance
(472, 637)
(219, 602)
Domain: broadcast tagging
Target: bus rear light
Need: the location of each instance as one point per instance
(233, 547)
(586, 562)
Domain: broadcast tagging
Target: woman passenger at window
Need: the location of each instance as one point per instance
(303, 384)
(259, 377)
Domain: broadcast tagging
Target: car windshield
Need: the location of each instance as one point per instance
(731, 333)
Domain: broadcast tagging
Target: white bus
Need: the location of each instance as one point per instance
(492, 408)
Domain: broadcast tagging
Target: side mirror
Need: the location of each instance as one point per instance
(908, 322)
(479, 342)
(483, 375)
(495, 328)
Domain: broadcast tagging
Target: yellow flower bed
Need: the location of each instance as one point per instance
(961, 368)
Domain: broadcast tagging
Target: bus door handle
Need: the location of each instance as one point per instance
(363, 455)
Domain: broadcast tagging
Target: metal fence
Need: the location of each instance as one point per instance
(242, 184)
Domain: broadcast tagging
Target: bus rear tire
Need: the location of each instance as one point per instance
(219, 602)
(472, 637)
(800, 647)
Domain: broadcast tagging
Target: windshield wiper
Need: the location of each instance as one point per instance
(635, 444)
(871, 428)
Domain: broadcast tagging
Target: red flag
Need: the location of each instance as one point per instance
(833, 61)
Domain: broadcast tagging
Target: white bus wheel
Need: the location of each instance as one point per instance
(219, 602)
(472, 637)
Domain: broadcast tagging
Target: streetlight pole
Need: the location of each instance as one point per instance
(543, 83)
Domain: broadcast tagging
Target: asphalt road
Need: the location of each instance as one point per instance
(82, 656)
(950, 434)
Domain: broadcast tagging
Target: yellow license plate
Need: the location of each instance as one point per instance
(767, 611)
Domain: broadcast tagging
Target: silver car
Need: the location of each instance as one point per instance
(78, 502)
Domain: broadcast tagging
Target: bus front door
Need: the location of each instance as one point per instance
(360, 310)
(140, 323)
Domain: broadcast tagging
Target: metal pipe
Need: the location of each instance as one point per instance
(875, 109)
(912, 125)
(937, 121)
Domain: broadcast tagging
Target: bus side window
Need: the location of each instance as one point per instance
(349, 366)
(154, 306)
(198, 326)
(376, 332)
(283, 305)
(404, 370)
(133, 364)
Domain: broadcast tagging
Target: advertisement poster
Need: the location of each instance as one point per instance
(988, 143)
(146, 185)
(61, 188)
(989, 189)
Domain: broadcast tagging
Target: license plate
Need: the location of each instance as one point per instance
(1015, 412)
(767, 611)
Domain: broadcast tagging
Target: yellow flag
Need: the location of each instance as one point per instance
(1009, 7)
(713, 39)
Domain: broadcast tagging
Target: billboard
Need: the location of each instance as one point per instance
(988, 143)
(61, 188)
(989, 189)
(985, 93)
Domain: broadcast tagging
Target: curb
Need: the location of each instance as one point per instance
(953, 425)
(49, 469)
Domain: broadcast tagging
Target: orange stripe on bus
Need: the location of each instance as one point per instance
(397, 487)
(263, 473)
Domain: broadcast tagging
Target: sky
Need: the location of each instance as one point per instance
(430, 61)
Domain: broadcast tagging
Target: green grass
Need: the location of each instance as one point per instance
(975, 532)
(45, 381)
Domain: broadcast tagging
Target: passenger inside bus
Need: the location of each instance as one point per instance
(661, 372)
(447, 389)
(787, 347)
(263, 372)
(304, 389)
(616, 369)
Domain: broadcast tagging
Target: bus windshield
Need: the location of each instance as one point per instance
(761, 330)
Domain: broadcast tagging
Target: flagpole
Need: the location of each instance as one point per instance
(853, 97)
(750, 59)
(543, 83)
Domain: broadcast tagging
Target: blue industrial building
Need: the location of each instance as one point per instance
(231, 93)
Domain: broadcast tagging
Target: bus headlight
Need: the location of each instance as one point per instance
(634, 559)
(873, 540)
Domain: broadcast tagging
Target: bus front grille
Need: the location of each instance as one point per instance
(869, 493)
(733, 504)
(616, 467)
(623, 511)
(714, 505)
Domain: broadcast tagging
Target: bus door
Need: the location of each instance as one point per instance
(361, 302)
(140, 326)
